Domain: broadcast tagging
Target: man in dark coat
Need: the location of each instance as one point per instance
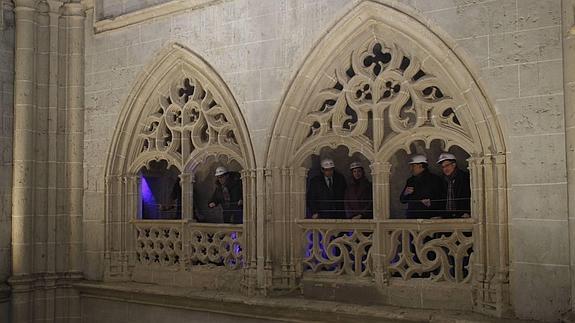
(359, 194)
(423, 192)
(326, 193)
(228, 194)
(457, 188)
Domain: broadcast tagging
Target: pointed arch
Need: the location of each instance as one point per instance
(181, 111)
(383, 77)
(178, 69)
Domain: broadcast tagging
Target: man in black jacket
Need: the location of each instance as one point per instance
(326, 193)
(228, 194)
(423, 191)
(457, 188)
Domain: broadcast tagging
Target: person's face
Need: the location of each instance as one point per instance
(357, 173)
(448, 167)
(222, 178)
(416, 169)
(327, 172)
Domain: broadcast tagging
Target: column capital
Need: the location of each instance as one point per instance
(73, 9)
(380, 167)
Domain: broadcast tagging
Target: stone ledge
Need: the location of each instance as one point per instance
(145, 14)
(291, 308)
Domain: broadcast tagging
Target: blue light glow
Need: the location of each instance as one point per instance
(148, 198)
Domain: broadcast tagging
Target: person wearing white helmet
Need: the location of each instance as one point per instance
(326, 193)
(423, 191)
(229, 195)
(457, 187)
(359, 194)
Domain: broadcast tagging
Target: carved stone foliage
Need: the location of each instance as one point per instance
(187, 117)
(338, 251)
(218, 247)
(378, 91)
(441, 255)
(159, 245)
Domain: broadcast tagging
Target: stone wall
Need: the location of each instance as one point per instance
(258, 46)
(6, 116)
(114, 8)
(98, 310)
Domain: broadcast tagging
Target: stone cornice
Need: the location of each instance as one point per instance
(147, 14)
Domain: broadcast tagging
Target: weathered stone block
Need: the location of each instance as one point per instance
(542, 78)
(540, 242)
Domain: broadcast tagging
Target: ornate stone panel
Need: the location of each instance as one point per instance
(158, 244)
(216, 246)
(376, 91)
(338, 251)
(180, 111)
(439, 254)
(379, 81)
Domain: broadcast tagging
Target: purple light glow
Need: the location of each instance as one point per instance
(148, 198)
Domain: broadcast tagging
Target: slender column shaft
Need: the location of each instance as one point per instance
(23, 153)
(568, 22)
(73, 22)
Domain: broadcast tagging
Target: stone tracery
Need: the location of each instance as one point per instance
(379, 81)
(182, 113)
(376, 84)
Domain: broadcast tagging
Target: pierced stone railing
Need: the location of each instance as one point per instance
(217, 244)
(159, 243)
(180, 244)
(439, 250)
(337, 247)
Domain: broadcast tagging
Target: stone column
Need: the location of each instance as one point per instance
(187, 186)
(72, 21)
(23, 161)
(381, 194)
(568, 23)
(6, 106)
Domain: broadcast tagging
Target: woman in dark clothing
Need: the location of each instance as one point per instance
(228, 194)
(358, 195)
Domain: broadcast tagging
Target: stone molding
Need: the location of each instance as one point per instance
(142, 15)
(285, 308)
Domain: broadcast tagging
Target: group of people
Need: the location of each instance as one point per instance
(331, 197)
(431, 196)
(428, 196)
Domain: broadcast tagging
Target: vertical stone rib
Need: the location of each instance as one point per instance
(23, 153)
(23, 162)
(73, 15)
(568, 22)
(42, 99)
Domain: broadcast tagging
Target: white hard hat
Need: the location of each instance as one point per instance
(444, 157)
(327, 163)
(221, 170)
(355, 165)
(418, 159)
